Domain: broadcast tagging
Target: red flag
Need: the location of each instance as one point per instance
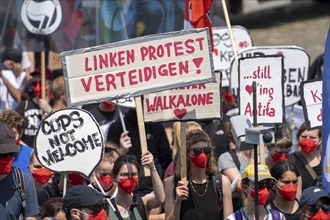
(196, 14)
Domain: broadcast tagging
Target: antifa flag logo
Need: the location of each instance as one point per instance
(41, 17)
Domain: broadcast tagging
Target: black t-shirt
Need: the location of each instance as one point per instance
(307, 179)
(32, 114)
(198, 207)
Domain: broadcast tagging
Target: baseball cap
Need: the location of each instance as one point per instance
(7, 140)
(311, 194)
(263, 172)
(81, 196)
(48, 73)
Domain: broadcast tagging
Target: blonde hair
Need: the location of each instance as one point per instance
(110, 152)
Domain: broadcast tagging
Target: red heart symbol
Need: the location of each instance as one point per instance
(249, 89)
(180, 113)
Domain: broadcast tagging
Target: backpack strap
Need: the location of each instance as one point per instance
(140, 207)
(20, 185)
(217, 182)
(238, 215)
(307, 166)
(235, 158)
(276, 214)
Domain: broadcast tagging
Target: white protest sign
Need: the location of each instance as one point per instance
(69, 140)
(267, 72)
(41, 17)
(138, 66)
(223, 51)
(201, 101)
(296, 65)
(311, 98)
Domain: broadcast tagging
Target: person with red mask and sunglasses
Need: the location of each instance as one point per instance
(286, 189)
(84, 203)
(32, 110)
(11, 205)
(308, 158)
(200, 198)
(315, 203)
(281, 148)
(265, 184)
(126, 204)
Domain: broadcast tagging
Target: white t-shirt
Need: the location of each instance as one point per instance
(6, 100)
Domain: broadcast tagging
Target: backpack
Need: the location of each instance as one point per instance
(275, 214)
(217, 182)
(19, 185)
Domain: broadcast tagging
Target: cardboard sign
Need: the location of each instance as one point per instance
(267, 72)
(138, 66)
(296, 65)
(201, 101)
(311, 98)
(223, 50)
(69, 140)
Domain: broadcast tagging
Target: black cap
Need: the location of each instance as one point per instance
(12, 53)
(7, 140)
(82, 196)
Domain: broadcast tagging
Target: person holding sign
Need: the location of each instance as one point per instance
(208, 193)
(308, 158)
(129, 206)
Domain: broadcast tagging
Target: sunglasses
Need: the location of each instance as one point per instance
(267, 184)
(315, 208)
(199, 150)
(6, 155)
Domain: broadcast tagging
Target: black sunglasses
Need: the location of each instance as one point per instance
(198, 150)
(267, 184)
(315, 208)
(6, 155)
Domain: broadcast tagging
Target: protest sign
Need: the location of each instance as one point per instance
(69, 140)
(296, 65)
(311, 99)
(202, 101)
(267, 72)
(138, 66)
(223, 51)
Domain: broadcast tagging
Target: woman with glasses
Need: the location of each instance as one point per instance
(285, 189)
(126, 205)
(204, 196)
(265, 184)
(308, 158)
(315, 203)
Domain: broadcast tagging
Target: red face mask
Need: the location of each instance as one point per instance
(278, 157)
(6, 164)
(100, 215)
(263, 195)
(307, 145)
(320, 215)
(42, 175)
(106, 182)
(127, 184)
(288, 192)
(110, 106)
(199, 160)
(76, 178)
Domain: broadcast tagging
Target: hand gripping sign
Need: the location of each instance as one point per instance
(69, 140)
(311, 99)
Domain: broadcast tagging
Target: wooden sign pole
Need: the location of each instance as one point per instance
(183, 153)
(142, 132)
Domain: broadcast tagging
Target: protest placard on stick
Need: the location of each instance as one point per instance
(311, 99)
(69, 140)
